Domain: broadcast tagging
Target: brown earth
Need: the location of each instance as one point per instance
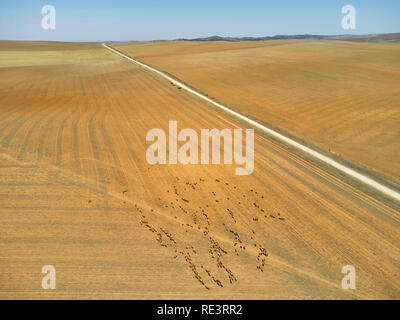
(341, 96)
(76, 192)
(11, 45)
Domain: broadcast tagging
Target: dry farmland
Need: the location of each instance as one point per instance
(76, 191)
(341, 96)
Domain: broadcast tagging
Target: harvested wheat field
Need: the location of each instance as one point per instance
(341, 96)
(77, 192)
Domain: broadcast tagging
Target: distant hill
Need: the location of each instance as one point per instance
(237, 39)
(389, 37)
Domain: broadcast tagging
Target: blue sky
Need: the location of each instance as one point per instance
(79, 20)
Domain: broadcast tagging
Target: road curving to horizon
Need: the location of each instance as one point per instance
(370, 182)
(77, 192)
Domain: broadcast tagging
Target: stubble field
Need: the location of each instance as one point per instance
(77, 192)
(341, 96)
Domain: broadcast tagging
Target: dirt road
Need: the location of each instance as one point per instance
(341, 96)
(370, 182)
(76, 192)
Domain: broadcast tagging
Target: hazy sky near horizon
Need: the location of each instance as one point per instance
(118, 20)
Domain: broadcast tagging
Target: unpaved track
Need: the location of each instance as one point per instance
(76, 192)
(288, 141)
(340, 96)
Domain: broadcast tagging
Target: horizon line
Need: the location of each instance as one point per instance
(217, 36)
